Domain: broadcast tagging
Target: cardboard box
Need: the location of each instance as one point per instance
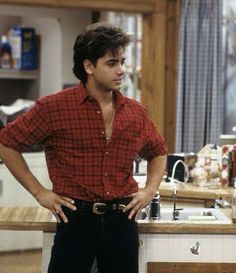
(23, 43)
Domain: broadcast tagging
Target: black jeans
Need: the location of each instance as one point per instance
(111, 238)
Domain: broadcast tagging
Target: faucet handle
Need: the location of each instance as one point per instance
(176, 213)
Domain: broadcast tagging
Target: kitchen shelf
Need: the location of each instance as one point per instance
(19, 74)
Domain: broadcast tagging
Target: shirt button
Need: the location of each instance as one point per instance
(106, 174)
(106, 153)
(98, 112)
(108, 193)
(103, 132)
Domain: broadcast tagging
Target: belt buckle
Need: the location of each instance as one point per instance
(96, 206)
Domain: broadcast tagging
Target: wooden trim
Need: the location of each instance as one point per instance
(39, 218)
(153, 66)
(191, 267)
(171, 68)
(159, 67)
(182, 228)
(146, 6)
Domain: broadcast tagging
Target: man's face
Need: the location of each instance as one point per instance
(108, 71)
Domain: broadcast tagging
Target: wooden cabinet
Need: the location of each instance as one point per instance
(163, 267)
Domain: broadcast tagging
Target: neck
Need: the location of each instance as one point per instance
(101, 96)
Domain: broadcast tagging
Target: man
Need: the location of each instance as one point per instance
(91, 134)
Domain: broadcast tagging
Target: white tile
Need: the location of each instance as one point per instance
(162, 241)
(175, 243)
(163, 256)
(152, 256)
(142, 267)
(152, 243)
(142, 254)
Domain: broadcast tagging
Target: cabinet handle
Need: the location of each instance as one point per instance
(195, 248)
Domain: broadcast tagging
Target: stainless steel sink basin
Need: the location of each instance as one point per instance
(190, 215)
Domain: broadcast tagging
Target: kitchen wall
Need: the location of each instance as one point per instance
(57, 29)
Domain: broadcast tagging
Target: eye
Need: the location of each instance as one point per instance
(111, 63)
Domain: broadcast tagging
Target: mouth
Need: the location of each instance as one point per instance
(118, 81)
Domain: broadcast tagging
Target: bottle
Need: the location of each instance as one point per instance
(5, 56)
(233, 204)
(154, 211)
(214, 171)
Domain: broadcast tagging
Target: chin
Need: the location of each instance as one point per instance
(117, 87)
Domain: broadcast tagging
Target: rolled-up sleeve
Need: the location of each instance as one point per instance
(31, 128)
(153, 143)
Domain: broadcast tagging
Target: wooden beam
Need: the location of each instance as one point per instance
(159, 67)
(171, 75)
(138, 6)
(153, 66)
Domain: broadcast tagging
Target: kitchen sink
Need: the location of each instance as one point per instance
(189, 215)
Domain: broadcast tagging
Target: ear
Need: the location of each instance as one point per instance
(88, 66)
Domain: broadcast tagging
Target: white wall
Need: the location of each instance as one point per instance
(58, 29)
(50, 66)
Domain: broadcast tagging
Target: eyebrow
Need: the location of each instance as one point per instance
(115, 60)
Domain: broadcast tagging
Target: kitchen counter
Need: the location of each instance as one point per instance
(190, 192)
(39, 218)
(157, 240)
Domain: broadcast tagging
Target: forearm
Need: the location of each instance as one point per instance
(155, 171)
(17, 165)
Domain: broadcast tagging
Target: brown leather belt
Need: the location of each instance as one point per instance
(102, 207)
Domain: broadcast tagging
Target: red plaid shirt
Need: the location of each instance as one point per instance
(80, 162)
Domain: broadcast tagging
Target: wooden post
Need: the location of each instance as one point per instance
(153, 64)
(159, 67)
(171, 75)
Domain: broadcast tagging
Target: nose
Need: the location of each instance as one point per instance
(120, 69)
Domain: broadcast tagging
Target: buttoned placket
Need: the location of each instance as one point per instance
(106, 163)
(106, 160)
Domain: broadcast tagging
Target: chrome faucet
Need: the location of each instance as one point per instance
(175, 210)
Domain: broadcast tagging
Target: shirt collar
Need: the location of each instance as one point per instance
(82, 94)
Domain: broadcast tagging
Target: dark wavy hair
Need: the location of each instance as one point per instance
(96, 41)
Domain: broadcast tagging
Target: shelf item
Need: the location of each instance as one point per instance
(19, 74)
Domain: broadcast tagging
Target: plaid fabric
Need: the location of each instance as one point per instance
(81, 163)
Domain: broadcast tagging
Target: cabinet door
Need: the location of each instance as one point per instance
(163, 267)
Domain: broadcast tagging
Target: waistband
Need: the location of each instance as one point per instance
(101, 207)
